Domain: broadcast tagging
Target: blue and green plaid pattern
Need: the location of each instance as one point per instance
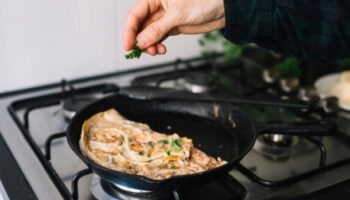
(307, 29)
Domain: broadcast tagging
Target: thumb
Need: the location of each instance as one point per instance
(154, 32)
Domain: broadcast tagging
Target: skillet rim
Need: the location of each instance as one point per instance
(92, 165)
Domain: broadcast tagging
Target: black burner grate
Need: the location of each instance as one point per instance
(35, 103)
(249, 90)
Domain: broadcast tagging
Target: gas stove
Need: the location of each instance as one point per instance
(33, 123)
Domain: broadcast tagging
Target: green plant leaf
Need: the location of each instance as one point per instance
(231, 51)
(134, 53)
(344, 63)
(289, 68)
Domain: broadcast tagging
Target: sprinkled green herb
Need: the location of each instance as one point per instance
(134, 53)
(168, 152)
(150, 143)
(163, 142)
(173, 167)
(176, 144)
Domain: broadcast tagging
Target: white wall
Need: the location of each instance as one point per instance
(42, 41)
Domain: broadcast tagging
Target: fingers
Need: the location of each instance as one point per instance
(157, 49)
(152, 50)
(161, 49)
(154, 28)
(154, 32)
(138, 13)
(152, 18)
(130, 33)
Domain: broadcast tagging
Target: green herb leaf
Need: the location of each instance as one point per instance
(232, 51)
(173, 167)
(150, 143)
(289, 68)
(163, 142)
(134, 53)
(212, 36)
(344, 64)
(168, 152)
(176, 144)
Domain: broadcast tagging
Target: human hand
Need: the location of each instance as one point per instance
(151, 21)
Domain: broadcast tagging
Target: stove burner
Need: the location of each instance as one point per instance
(104, 190)
(224, 188)
(129, 189)
(71, 105)
(198, 82)
(279, 147)
(278, 140)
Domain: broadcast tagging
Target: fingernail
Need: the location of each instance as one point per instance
(161, 51)
(141, 42)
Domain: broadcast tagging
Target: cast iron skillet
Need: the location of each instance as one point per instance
(218, 129)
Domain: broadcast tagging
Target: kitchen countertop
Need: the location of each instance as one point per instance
(13, 184)
(340, 191)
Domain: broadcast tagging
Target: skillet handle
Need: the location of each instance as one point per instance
(153, 93)
(239, 100)
(315, 128)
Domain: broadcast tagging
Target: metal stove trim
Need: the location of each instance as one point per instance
(3, 193)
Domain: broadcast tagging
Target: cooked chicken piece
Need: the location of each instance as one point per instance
(117, 143)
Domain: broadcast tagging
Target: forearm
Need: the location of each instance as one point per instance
(300, 28)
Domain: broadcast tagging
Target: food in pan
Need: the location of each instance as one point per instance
(342, 90)
(117, 143)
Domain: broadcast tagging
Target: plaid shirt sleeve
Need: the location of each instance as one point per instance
(307, 29)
